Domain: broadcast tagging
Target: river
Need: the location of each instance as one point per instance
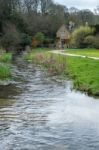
(39, 112)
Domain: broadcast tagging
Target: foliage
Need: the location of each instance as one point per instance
(79, 35)
(25, 40)
(34, 43)
(11, 38)
(92, 41)
(96, 42)
(29, 17)
(40, 38)
(89, 41)
(48, 42)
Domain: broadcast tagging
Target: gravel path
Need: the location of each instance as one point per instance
(74, 55)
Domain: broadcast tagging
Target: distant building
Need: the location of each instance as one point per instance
(62, 37)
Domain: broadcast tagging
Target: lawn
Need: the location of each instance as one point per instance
(85, 52)
(85, 74)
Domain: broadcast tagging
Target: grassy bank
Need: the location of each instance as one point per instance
(83, 71)
(85, 52)
(6, 57)
(5, 71)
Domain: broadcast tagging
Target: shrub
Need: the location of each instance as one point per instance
(25, 40)
(34, 43)
(79, 36)
(89, 41)
(48, 42)
(96, 42)
(40, 38)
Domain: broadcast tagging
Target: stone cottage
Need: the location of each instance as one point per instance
(62, 37)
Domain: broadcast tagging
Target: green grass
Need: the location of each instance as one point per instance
(83, 71)
(5, 71)
(85, 52)
(6, 57)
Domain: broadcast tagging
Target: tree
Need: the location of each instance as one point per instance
(29, 17)
(31, 5)
(11, 38)
(86, 16)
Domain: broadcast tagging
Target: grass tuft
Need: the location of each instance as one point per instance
(6, 57)
(5, 72)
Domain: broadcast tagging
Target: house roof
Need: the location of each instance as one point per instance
(63, 33)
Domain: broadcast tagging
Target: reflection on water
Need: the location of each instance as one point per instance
(6, 102)
(39, 113)
(7, 91)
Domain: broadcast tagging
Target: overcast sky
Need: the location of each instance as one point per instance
(80, 4)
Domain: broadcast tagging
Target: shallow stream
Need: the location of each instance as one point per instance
(38, 112)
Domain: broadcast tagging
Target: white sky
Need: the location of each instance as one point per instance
(80, 4)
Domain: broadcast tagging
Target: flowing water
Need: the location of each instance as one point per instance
(38, 112)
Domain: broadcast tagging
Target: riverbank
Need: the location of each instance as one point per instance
(83, 71)
(5, 68)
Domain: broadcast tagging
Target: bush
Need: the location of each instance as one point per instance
(48, 42)
(25, 40)
(79, 35)
(96, 42)
(34, 43)
(40, 37)
(89, 41)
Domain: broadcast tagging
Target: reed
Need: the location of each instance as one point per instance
(55, 64)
